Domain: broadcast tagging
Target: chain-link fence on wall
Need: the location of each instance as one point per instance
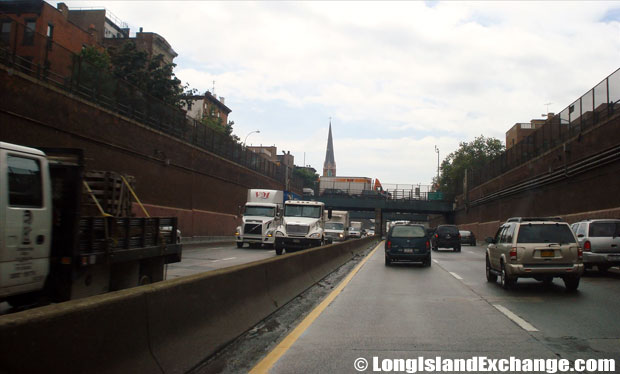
(595, 106)
(38, 56)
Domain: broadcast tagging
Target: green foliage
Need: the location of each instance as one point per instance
(153, 76)
(91, 68)
(309, 176)
(470, 155)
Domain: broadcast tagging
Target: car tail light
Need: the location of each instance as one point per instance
(428, 244)
(580, 252)
(389, 244)
(436, 236)
(459, 236)
(513, 253)
(587, 246)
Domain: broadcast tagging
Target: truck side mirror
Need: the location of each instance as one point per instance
(329, 214)
(239, 210)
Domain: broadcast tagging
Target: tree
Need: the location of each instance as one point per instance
(472, 155)
(308, 175)
(153, 76)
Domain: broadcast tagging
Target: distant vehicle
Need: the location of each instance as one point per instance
(337, 227)
(407, 243)
(370, 233)
(302, 226)
(446, 236)
(600, 240)
(355, 231)
(262, 213)
(308, 192)
(534, 247)
(467, 237)
(352, 186)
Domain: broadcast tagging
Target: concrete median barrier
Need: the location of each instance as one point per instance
(168, 327)
(104, 334)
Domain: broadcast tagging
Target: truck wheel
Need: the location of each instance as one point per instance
(239, 244)
(279, 251)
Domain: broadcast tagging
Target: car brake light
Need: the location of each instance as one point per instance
(513, 253)
(436, 236)
(428, 245)
(587, 246)
(580, 252)
(389, 244)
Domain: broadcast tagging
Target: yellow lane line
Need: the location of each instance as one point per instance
(266, 363)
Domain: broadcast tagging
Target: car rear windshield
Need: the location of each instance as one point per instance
(408, 232)
(605, 229)
(549, 233)
(448, 230)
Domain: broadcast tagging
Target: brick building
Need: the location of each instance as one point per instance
(520, 131)
(30, 28)
(207, 105)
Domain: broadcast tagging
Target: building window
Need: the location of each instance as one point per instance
(50, 36)
(29, 31)
(5, 31)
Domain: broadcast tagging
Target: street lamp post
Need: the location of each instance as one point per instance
(246, 138)
(437, 150)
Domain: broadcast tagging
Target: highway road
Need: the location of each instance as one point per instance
(450, 311)
(198, 258)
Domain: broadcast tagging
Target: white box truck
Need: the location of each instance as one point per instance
(337, 227)
(355, 231)
(261, 216)
(303, 226)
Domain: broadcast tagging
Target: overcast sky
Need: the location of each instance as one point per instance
(395, 78)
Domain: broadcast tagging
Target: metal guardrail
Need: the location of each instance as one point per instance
(595, 106)
(38, 56)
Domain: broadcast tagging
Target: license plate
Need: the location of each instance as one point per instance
(408, 250)
(296, 241)
(448, 236)
(547, 253)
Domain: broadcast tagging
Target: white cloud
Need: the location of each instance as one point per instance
(397, 77)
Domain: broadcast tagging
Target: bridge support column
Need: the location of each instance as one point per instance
(379, 224)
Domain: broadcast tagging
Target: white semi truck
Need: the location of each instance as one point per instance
(337, 227)
(262, 214)
(303, 226)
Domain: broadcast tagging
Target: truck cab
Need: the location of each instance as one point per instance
(261, 216)
(25, 220)
(303, 226)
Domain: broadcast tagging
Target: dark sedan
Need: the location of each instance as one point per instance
(407, 243)
(467, 237)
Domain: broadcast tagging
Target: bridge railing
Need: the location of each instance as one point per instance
(24, 50)
(389, 192)
(595, 106)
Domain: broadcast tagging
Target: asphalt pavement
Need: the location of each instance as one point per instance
(450, 310)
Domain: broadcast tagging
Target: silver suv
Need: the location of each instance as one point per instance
(600, 240)
(539, 248)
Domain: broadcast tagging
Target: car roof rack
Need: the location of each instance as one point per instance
(536, 219)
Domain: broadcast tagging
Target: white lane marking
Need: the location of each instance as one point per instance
(224, 259)
(435, 261)
(455, 275)
(515, 318)
(472, 252)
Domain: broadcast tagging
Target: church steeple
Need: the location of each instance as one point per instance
(329, 167)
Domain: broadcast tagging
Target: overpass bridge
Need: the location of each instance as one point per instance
(382, 209)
